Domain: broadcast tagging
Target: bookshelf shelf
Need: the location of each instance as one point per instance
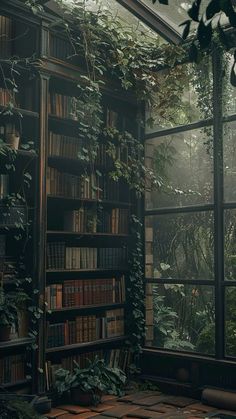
(63, 121)
(52, 199)
(103, 342)
(74, 165)
(83, 271)
(15, 343)
(98, 307)
(88, 235)
(20, 111)
(20, 383)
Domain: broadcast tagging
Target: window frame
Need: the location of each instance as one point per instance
(218, 207)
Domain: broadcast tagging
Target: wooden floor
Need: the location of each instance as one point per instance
(142, 405)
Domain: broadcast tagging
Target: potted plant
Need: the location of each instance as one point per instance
(10, 303)
(86, 385)
(17, 409)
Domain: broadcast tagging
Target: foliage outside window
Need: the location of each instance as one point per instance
(180, 220)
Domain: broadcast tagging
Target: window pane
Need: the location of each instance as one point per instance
(230, 244)
(182, 95)
(230, 321)
(229, 93)
(181, 317)
(229, 145)
(180, 246)
(183, 167)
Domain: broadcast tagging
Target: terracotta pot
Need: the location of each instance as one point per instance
(13, 141)
(85, 399)
(5, 333)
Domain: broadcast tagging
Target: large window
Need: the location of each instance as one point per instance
(191, 220)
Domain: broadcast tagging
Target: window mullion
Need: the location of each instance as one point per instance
(218, 200)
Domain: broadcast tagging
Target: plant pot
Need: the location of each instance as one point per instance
(85, 399)
(13, 141)
(5, 333)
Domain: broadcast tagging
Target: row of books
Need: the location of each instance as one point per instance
(4, 185)
(59, 256)
(69, 147)
(104, 158)
(6, 35)
(83, 292)
(62, 106)
(66, 184)
(114, 358)
(85, 220)
(60, 48)
(86, 329)
(5, 96)
(62, 145)
(12, 369)
(22, 99)
(85, 187)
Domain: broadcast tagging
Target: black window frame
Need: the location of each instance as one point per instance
(218, 207)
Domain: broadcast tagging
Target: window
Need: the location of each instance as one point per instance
(190, 222)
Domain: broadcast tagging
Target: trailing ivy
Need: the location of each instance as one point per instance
(136, 290)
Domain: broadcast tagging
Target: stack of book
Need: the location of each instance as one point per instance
(105, 160)
(12, 369)
(68, 185)
(60, 48)
(62, 145)
(86, 329)
(81, 258)
(62, 106)
(6, 35)
(6, 96)
(112, 258)
(83, 220)
(4, 186)
(56, 255)
(74, 258)
(114, 221)
(79, 293)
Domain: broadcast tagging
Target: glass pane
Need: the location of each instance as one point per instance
(183, 167)
(229, 92)
(116, 11)
(176, 13)
(229, 147)
(181, 317)
(183, 95)
(180, 246)
(230, 321)
(230, 244)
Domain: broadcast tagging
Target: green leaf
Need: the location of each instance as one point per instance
(212, 8)
(204, 34)
(186, 30)
(233, 75)
(193, 12)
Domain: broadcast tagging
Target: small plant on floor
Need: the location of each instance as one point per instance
(87, 385)
(10, 303)
(17, 409)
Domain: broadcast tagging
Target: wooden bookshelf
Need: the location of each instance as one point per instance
(15, 343)
(87, 345)
(44, 107)
(19, 117)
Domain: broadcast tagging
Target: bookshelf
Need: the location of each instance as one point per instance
(79, 219)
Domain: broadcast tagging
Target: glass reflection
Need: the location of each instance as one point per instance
(183, 318)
